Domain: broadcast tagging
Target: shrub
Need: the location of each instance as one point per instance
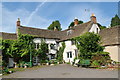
(88, 44)
(95, 63)
(101, 57)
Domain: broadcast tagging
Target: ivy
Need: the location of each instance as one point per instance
(60, 52)
(26, 44)
(41, 52)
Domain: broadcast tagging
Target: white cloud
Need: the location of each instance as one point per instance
(9, 19)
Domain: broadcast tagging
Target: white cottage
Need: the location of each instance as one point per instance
(110, 38)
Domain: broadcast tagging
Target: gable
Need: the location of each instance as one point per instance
(95, 28)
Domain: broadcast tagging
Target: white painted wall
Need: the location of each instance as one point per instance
(48, 41)
(51, 41)
(114, 51)
(37, 40)
(69, 48)
(94, 28)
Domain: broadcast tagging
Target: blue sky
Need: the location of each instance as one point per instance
(41, 14)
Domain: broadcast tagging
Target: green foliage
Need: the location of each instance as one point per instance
(72, 23)
(10, 48)
(100, 26)
(60, 52)
(88, 44)
(115, 21)
(55, 24)
(101, 57)
(26, 44)
(43, 49)
(17, 49)
(95, 63)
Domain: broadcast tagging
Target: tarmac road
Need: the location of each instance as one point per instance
(64, 71)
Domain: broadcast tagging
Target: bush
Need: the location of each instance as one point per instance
(95, 63)
(53, 61)
(100, 59)
(87, 44)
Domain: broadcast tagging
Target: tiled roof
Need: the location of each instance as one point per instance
(11, 36)
(110, 36)
(39, 32)
(61, 35)
(76, 31)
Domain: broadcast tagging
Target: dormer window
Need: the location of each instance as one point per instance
(69, 32)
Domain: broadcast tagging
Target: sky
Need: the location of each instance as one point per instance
(41, 14)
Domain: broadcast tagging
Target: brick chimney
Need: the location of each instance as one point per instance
(93, 18)
(75, 21)
(18, 22)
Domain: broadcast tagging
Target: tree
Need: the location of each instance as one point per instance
(115, 21)
(43, 49)
(55, 24)
(100, 26)
(88, 44)
(72, 23)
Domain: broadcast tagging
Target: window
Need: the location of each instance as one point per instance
(69, 54)
(52, 46)
(37, 45)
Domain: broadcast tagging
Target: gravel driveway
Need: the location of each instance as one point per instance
(64, 71)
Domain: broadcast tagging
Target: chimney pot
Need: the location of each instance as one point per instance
(18, 22)
(93, 18)
(75, 21)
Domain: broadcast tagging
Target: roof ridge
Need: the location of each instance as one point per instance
(118, 26)
(7, 33)
(39, 28)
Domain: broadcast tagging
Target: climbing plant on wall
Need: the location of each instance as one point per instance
(60, 52)
(26, 45)
(41, 52)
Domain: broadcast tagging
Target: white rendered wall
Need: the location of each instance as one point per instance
(69, 48)
(37, 40)
(114, 51)
(94, 28)
(48, 41)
